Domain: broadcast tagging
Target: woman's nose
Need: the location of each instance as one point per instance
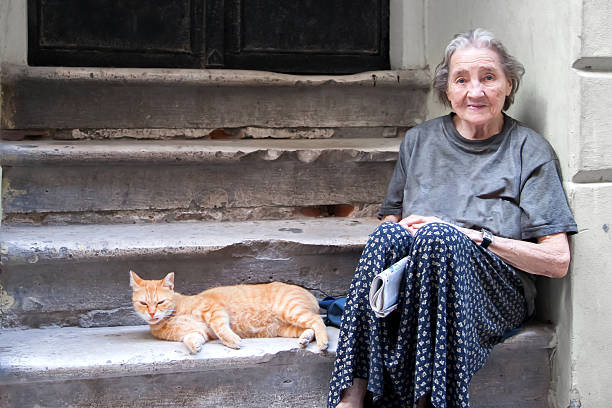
(475, 88)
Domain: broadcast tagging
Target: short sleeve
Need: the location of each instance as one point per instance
(392, 203)
(544, 206)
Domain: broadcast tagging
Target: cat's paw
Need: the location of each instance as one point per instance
(322, 344)
(306, 337)
(232, 340)
(194, 342)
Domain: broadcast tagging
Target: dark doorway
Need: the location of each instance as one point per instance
(305, 36)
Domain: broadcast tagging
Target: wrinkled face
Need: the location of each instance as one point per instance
(477, 85)
(152, 299)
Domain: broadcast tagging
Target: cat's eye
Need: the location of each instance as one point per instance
(160, 302)
(143, 303)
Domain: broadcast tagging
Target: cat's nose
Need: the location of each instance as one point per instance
(152, 314)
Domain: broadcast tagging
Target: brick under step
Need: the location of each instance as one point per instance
(127, 367)
(94, 182)
(77, 275)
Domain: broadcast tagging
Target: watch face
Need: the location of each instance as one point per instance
(487, 238)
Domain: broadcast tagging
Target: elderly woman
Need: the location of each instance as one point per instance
(477, 205)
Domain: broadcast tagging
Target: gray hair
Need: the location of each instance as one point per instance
(478, 38)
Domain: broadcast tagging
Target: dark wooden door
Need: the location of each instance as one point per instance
(305, 36)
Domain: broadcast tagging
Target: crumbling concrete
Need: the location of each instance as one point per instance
(63, 182)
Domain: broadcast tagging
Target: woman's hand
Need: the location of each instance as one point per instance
(391, 218)
(413, 222)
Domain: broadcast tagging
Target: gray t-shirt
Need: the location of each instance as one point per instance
(508, 183)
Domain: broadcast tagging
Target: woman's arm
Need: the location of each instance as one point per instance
(550, 256)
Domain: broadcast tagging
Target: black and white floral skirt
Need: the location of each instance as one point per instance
(457, 302)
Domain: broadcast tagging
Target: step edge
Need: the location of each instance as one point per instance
(38, 153)
(33, 245)
(279, 348)
(410, 78)
(18, 374)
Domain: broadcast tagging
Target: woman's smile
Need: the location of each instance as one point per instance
(476, 106)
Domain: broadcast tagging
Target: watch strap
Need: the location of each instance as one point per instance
(487, 238)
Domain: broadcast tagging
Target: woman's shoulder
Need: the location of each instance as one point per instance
(532, 143)
(425, 129)
(431, 125)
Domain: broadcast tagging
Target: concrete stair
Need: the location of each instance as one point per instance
(77, 275)
(127, 367)
(53, 182)
(223, 177)
(61, 98)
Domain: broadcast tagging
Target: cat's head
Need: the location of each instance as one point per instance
(153, 299)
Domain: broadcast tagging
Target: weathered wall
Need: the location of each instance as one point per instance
(407, 34)
(13, 32)
(591, 173)
(13, 40)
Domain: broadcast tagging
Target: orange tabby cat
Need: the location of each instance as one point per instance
(228, 313)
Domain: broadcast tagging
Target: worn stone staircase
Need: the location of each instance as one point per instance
(223, 177)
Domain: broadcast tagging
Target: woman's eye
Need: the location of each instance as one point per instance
(160, 302)
(461, 81)
(489, 77)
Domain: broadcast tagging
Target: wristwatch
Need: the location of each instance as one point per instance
(487, 238)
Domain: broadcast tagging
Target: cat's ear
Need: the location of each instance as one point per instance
(135, 280)
(168, 281)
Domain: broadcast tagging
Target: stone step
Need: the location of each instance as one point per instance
(77, 275)
(127, 367)
(55, 182)
(99, 98)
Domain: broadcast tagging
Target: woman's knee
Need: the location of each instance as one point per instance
(439, 234)
(388, 240)
(389, 233)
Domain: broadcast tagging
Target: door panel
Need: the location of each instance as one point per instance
(307, 36)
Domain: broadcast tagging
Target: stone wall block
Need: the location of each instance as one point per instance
(597, 28)
(591, 283)
(593, 160)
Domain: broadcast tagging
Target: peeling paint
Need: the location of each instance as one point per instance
(6, 301)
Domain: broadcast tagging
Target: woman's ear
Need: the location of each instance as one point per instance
(135, 280)
(168, 281)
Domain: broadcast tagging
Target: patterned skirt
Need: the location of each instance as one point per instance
(456, 303)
